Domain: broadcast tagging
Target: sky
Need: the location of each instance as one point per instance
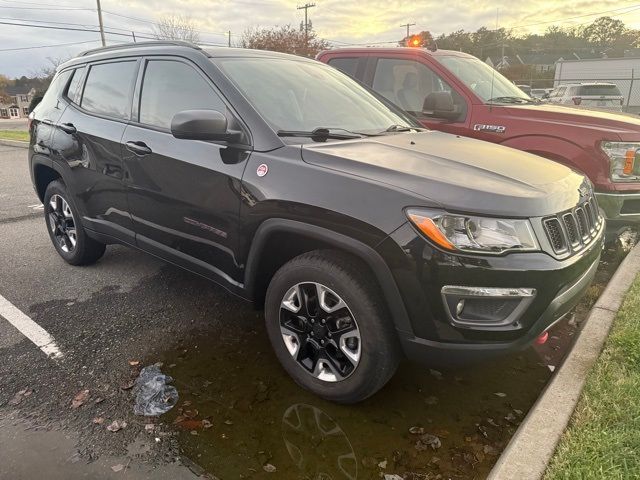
(340, 21)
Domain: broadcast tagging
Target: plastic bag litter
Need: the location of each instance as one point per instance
(153, 394)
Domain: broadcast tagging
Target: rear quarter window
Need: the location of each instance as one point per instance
(55, 90)
(108, 89)
(73, 92)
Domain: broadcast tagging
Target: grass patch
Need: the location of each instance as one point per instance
(603, 438)
(20, 135)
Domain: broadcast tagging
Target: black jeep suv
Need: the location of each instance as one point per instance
(364, 236)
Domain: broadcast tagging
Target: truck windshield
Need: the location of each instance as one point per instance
(293, 95)
(488, 84)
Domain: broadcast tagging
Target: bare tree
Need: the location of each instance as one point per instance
(176, 27)
(284, 39)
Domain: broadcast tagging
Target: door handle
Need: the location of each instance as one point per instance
(138, 148)
(68, 128)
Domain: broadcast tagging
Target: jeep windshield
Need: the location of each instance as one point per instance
(487, 83)
(301, 98)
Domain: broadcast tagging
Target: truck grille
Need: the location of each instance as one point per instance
(575, 229)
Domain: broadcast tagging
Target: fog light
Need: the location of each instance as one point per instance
(486, 306)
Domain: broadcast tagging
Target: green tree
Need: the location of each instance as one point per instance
(604, 32)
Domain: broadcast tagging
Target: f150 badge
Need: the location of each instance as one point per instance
(479, 127)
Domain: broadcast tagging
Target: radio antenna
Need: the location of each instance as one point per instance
(493, 73)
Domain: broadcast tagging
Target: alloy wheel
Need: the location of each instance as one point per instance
(320, 332)
(62, 223)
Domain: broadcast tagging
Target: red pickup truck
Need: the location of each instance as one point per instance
(458, 93)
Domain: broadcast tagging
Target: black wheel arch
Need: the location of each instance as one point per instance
(261, 264)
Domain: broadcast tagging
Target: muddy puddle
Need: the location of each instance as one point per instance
(240, 416)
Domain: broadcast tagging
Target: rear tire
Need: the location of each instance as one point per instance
(329, 326)
(65, 230)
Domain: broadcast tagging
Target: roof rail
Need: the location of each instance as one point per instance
(154, 43)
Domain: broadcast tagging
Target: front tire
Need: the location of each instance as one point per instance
(329, 326)
(65, 230)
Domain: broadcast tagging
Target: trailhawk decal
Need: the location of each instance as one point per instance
(478, 127)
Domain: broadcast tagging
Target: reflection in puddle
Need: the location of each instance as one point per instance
(241, 416)
(317, 445)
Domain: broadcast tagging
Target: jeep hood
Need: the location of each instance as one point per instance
(455, 173)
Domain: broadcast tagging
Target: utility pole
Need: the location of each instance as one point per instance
(407, 25)
(104, 44)
(306, 8)
(229, 38)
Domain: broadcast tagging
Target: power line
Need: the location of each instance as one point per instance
(47, 46)
(306, 8)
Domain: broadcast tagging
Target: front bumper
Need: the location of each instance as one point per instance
(619, 209)
(433, 337)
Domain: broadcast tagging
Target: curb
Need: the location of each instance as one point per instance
(14, 143)
(531, 448)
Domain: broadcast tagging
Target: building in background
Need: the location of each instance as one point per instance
(15, 101)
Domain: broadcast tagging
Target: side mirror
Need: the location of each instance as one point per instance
(440, 105)
(202, 125)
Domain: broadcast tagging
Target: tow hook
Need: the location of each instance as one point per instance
(542, 338)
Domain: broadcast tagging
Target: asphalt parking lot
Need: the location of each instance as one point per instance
(239, 415)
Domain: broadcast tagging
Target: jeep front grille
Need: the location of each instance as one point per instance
(572, 230)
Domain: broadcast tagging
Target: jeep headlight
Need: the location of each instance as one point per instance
(475, 234)
(624, 160)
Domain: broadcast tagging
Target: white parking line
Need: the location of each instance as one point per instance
(29, 328)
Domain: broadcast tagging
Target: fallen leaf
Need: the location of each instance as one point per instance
(416, 430)
(79, 399)
(191, 413)
(19, 396)
(134, 363)
(98, 420)
(149, 427)
(500, 394)
(128, 385)
(206, 424)
(117, 468)
(431, 440)
(116, 425)
(383, 464)
(98, 400)
(186, 403)
(228, 422)
(269, 468)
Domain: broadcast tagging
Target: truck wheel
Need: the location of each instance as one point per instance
(64, 227)
(327, 322)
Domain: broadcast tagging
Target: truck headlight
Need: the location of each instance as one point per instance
(624, 160)
(475, 234)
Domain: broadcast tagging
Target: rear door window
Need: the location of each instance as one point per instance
(170, 87)
(108, 89)
(348, 65)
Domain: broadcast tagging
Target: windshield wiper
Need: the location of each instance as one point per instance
(511, 100)
(400, 128)
(321, 134)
